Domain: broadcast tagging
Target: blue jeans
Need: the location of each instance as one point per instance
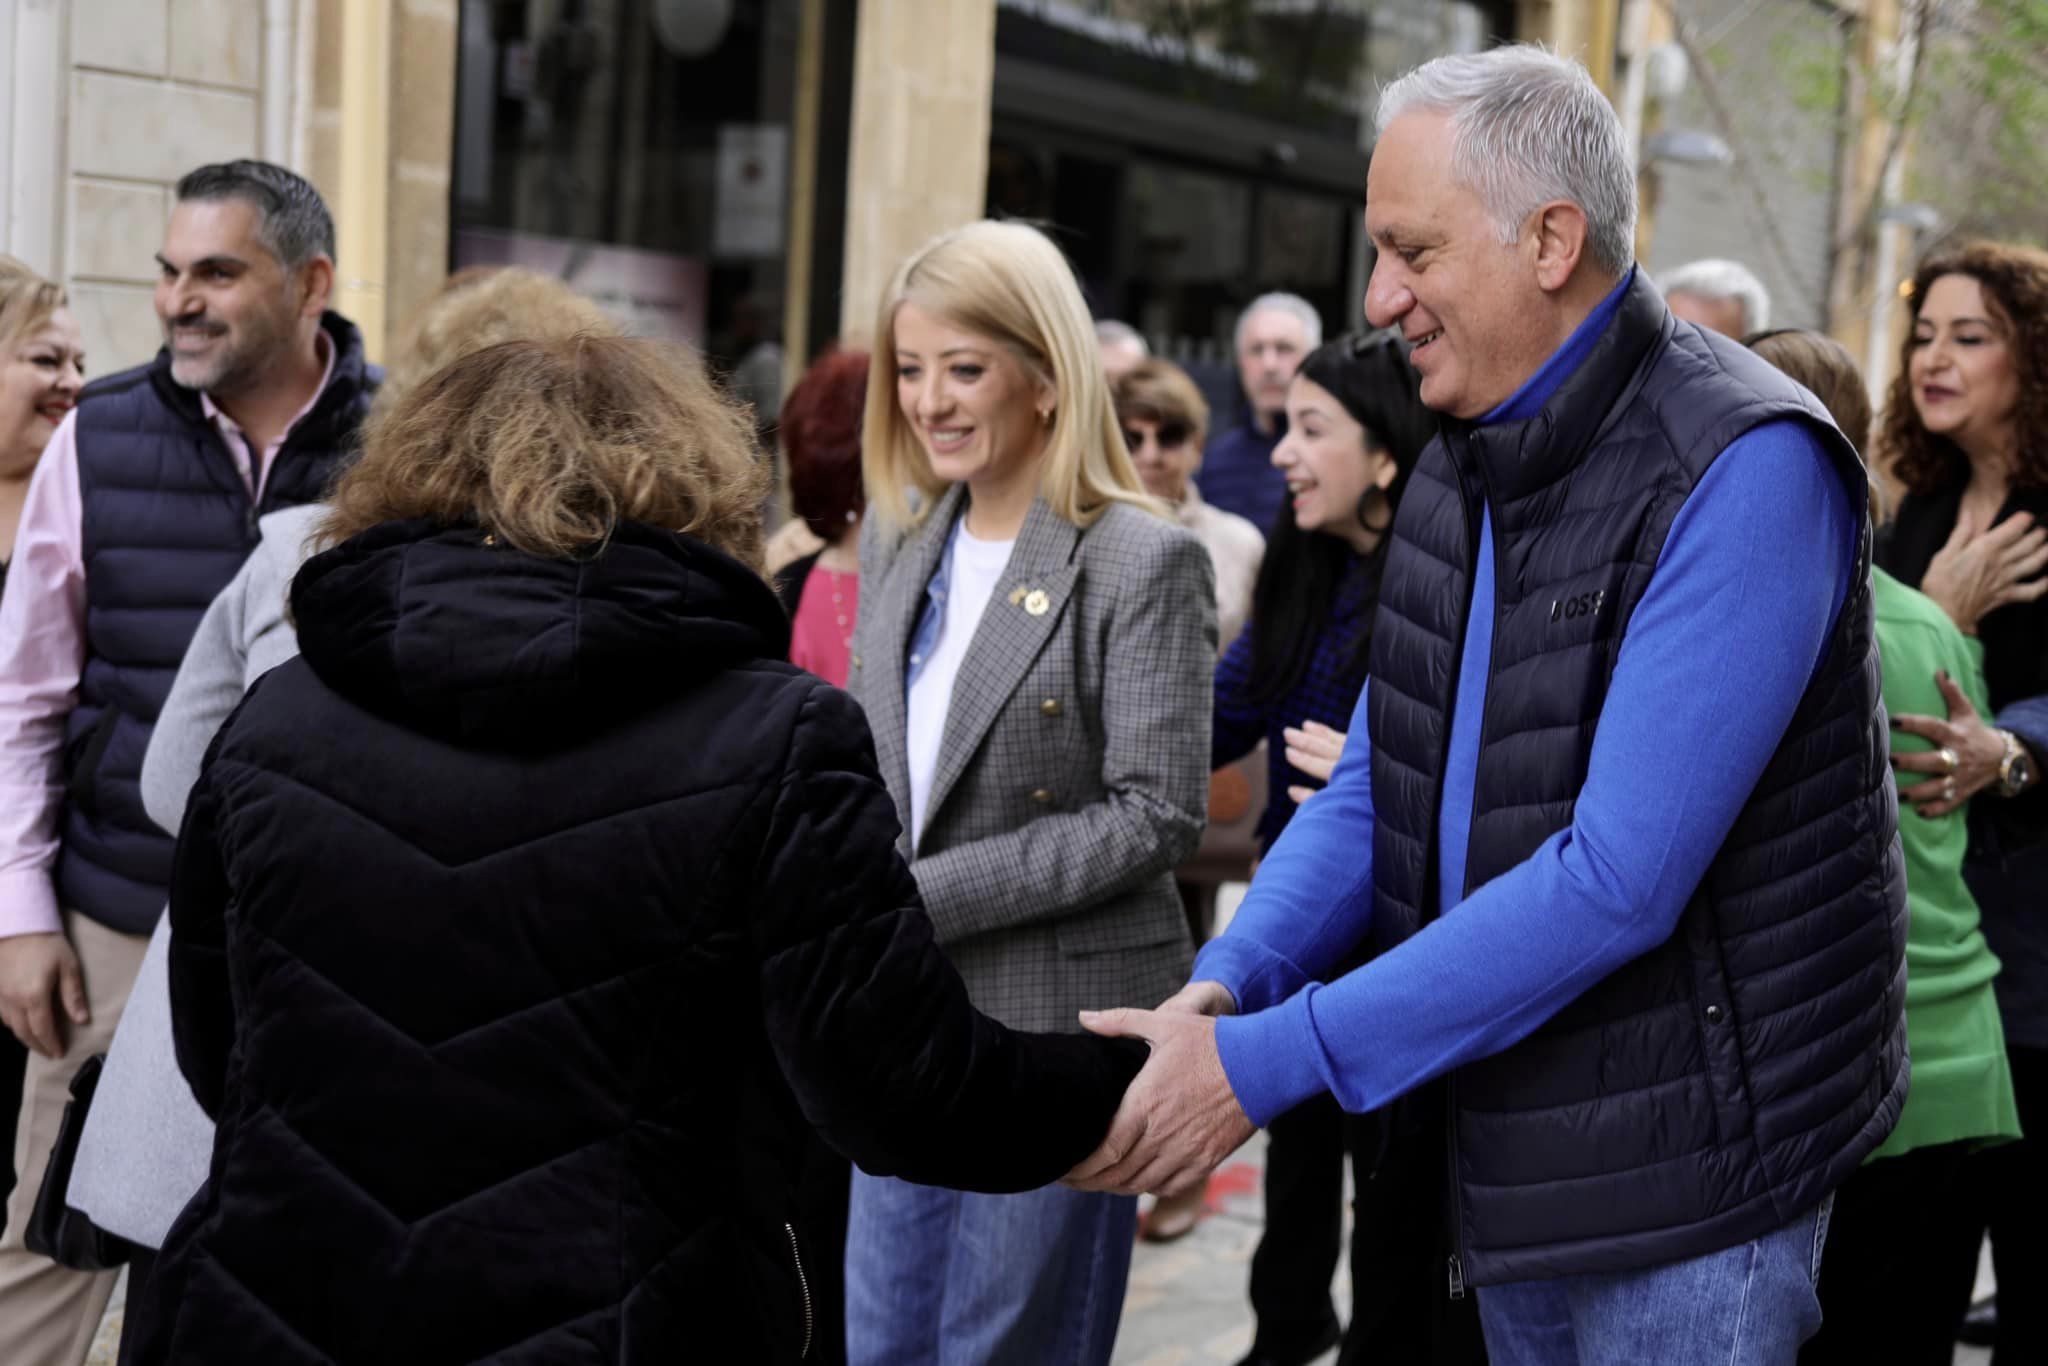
(947, 1278)
(1749, 1305)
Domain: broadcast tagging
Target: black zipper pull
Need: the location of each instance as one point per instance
(1457, 1278)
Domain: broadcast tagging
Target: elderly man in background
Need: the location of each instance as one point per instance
(1123, 347)
(1723, 295)
(1614, 817)
(1273, 334)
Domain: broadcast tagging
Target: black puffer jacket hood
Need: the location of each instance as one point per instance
(447, 633)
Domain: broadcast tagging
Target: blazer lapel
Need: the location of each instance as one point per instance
(1014, 628)
(900, 599)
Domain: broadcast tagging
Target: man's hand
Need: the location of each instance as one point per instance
(1179, 1119)
(35, 970)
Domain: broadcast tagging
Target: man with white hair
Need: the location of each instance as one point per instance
(1123, 347)
(1273, 334)
(1723, 295)
(1614, 815)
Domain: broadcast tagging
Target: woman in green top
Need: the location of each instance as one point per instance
(1903, 1239)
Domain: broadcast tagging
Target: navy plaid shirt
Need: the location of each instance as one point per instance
(1323, 693)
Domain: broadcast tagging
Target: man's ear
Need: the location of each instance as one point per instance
(316, 283)
(1560, 243)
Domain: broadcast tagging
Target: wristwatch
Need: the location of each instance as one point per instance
(2016, 769)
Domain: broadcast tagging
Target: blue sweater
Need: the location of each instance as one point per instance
(1324, 692)
(1725, 641)
(1238, 474)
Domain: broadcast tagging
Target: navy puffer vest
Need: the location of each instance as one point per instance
(167, 523)
(1719, 1086)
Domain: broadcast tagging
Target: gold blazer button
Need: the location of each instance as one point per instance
(1051, 706)
(1043, 796)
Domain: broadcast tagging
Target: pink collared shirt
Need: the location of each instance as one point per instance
(42, 654)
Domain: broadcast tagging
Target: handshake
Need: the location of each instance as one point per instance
(1180, 1118)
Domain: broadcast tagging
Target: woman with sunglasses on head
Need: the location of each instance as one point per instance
(1355, 427)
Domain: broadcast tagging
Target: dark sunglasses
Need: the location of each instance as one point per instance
(1170, 434)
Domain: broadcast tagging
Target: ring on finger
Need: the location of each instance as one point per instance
(1948, 789)
(1950, 760)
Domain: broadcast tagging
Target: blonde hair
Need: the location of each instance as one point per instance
(549, 444)
(480, 307)
(1009, 283)
(26, 301)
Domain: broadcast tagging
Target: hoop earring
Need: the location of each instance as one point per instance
(1375, 511)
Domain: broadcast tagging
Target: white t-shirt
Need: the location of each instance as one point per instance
(977, 567)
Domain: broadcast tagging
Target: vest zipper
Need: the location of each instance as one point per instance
(1456, 1276)
(803, 1284)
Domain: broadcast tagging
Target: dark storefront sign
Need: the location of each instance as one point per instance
(1187, 174)
(642, 151)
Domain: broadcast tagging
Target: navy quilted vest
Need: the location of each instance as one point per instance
(167, 523)
(1719, 1086)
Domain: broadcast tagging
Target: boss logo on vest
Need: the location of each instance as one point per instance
(1570, 609)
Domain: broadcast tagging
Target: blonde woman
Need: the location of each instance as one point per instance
(1034, 653)
(42, 368)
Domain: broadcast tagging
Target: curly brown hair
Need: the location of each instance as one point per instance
(482, 306)
(2015, 283)
(550, 444)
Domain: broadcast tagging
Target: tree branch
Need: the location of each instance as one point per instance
(1895, 137)
(1761, 217)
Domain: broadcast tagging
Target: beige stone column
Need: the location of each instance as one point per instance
(423, 46)
(924, 73)
(1585, 29)
(380, 148)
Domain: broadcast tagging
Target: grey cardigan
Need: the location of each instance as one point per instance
(147, 1144)
(1073, 775)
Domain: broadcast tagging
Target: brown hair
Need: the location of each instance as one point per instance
(2015, 284)
(1160, 392)
(482, 306)
(820, 427)
(1827, 370)
(548, 445)
(1829, 373)
(26, 301)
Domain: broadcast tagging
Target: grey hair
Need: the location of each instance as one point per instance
(1718, 279)
(1293, 305)
(292, 221)
(1110, 332)
(1530, 127)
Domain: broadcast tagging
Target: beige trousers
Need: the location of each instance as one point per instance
(49, 1313)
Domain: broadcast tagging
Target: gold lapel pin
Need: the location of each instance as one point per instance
(1037, 603)
(1017, 594)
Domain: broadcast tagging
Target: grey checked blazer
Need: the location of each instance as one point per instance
(1073, 775)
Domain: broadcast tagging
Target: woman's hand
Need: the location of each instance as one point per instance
(1976, 573)
(1314, 749)
(1963, 762)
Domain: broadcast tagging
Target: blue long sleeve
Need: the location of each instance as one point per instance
(1718, 654)
(1239, 723)
(1312, 898)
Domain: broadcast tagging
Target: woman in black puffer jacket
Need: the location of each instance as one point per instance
(526, 923)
